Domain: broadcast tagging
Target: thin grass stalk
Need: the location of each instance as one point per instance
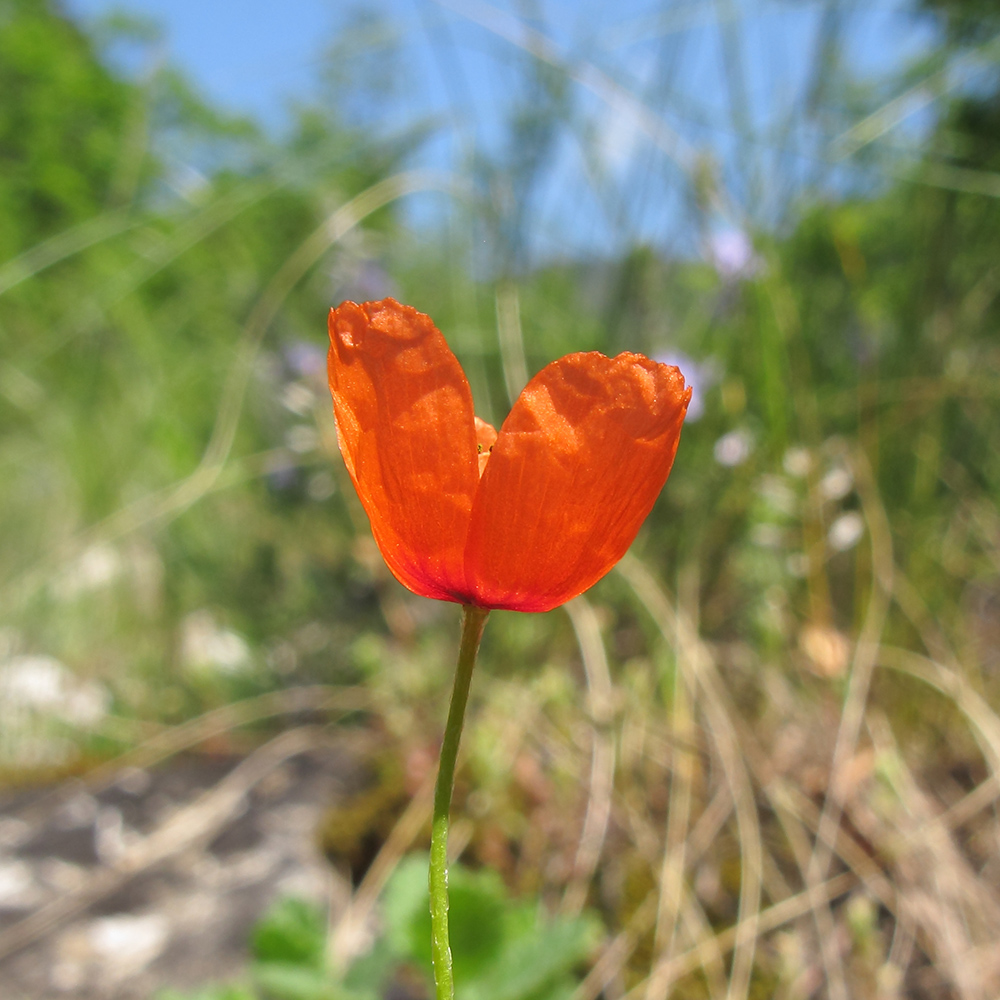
(172, 500)
(701, 673)
(602, 765)
(678, 816)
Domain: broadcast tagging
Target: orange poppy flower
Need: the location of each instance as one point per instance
(525, 519)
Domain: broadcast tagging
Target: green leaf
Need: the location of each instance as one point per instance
(211, 993)
(478, 902)
(288, 981)
(292, 931)
(534, 961)
(502, 949)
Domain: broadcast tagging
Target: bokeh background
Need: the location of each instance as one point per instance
(759, 759)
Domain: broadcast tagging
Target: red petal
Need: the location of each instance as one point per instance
(406, 428)
(576, 468)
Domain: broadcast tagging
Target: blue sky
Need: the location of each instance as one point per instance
(243, 56)
(253, 55)
(738, 81)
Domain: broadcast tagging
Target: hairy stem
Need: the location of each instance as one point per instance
(473, 622)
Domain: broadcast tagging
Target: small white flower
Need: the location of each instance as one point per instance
(306, 359)
(846, 531)
(797, 565)
(732, 254)
(797, 462)
(302, 438)
(43, 685)
(98, 566)
(18, 889)
(299, 398)
(205, 644)
(131, 941)
(321, 486)
(767, 536)
(778, 494)
(836, 484)
(734, 448)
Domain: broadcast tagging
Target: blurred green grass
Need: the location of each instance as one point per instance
(178, 532)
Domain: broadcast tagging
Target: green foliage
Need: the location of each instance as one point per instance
(212, 993)
(61, 125)
(119, 339)
(292, 932)
(177, 527)
(503, 949)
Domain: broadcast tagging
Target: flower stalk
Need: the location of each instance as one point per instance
(473, 623)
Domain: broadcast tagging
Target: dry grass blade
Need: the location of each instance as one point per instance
(697, 664)
(176, 739)
(980, 798)
(600, 701)
(620, 100)
(852, 714)
(672, 871)
(63, 245)
(347, 936)
(697, 934)
(616, 953)
(941, 894)
(912, 101)
(767, 920)
(331, 231)
(515, 364)
(172, 500)
(985, 721)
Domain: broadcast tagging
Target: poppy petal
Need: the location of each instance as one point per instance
(405, 424)
(575, 470)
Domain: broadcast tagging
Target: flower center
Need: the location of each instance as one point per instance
(485, 437)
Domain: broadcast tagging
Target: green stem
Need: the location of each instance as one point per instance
(473, 622)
